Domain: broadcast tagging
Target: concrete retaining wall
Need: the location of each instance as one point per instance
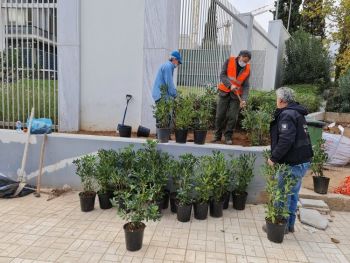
(62, 149)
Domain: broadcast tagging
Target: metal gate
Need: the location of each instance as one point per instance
(205, 42)
(28, 60)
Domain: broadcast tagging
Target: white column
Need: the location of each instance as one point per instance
(241, 35)
(162, 29)
(68, 51)
(274, 56)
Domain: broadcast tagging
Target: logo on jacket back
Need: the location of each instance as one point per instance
(284, 126)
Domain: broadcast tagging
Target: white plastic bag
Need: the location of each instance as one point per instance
(337, 147)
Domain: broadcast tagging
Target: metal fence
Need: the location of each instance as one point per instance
(28, 60)
(206, 41)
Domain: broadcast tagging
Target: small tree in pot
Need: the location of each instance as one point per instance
(86, 170)
(105, 171)
(183, 180)
(319, 159)
(203, 109)
(162, 112)
(242, 170)
(125, 162)
(279, 183)
(183, 115)
(203, 188)
(156, 163)
(220, 182)
(137, 208)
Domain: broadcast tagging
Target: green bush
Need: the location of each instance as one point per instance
(307, 60)
(306, 94)
(339, 100)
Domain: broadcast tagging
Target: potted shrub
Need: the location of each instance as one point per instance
(203, 188)
(162, 112)
(220, 182)
(257, 123)
(183, 180)
(242, 170)
(277, 211)
(137, 208)
(105, 171)
(86, 170)
(125, 161)
(183, 115)
(203, 110)
(156, 163)
(319, 159)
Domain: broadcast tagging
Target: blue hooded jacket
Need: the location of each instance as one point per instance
(164, 78)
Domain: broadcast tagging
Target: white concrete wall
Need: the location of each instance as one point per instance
(162, 27)
(274, 57)
(112, 37)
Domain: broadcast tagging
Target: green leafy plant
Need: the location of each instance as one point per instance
(86, 170)
(183, 111)
(241, 169)
(138, 205)
(105, 169)
(220, 178)
(162, 110)
(279, 183)
(307, 60)
(203, 108)
(203, 177)
(257, 123)
(319, 159)
(157, 165)
(125, 161)
(183, 178)
(339, 100)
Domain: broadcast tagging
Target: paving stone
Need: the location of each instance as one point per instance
(307, 203)
(313, 218)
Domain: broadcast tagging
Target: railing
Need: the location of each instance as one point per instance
(28, 62)
(29, 30)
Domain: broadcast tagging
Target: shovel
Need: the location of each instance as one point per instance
(125, 130)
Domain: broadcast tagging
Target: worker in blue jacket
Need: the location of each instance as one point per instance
(165, 77)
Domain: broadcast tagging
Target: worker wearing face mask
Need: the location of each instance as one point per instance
(233, 93)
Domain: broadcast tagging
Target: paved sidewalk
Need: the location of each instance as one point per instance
(35, 230)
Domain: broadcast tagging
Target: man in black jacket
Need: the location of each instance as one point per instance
(290, 144)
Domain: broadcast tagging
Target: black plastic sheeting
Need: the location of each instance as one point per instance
(8, 187)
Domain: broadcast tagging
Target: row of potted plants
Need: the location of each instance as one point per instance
(184, 113)
(139, 179)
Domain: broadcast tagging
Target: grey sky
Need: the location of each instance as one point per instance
(248, 5)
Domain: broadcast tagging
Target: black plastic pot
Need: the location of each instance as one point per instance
(227, 197)
(321, 184)
(181, 135)
(173, 204)
(134, 239)
(275, 232)
(121, 203)
(165, 200)
(104, 201)
(143, 131)
(239, 200)
(200, 211)
(87, 201)
(159, 203)
(124, 131)
(216, 208)
(163, 135)
(200, 136)
(184, 212)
